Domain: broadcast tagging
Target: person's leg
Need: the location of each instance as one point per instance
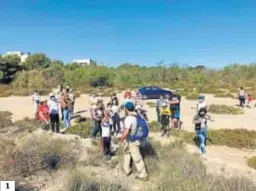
(137, 159)
(240, 102)
(127, 159)
(158, 115)
(57, 123)
(62, 114)
(52, 122)
(96, 128)
(118, 123)
(202, 142)
(243, 102)
(114, 123)
(69, 118)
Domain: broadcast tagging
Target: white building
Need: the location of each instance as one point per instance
(23, 56)
(83, 62)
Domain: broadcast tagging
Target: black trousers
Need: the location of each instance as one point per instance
(55, 123)
(62, 115)
(106, 145)
(242, 101)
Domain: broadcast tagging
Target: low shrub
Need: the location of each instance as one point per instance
(224, 109)
(79, 181)
(236, 138)
(154, 126)
(187, 172)
(151, 104)
(27, 124)
(252, 162)
(225, 95)
(192, 96)
(5, 91)
(82, 129)
(5, 119)
(39, 152)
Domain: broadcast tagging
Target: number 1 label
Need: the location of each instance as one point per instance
(7, 186)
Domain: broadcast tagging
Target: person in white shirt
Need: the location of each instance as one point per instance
(115, 117)
(106, 135)
(132, 149)
(36, 101)
(54, 113)
(201, 103)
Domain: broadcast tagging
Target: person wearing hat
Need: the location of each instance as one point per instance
(175, 111)
(54, 113)
(132, 149)
(201, 103)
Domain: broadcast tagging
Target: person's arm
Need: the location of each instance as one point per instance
(196, 120)
(126, 132)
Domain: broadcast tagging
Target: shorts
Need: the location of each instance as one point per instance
(176, 115)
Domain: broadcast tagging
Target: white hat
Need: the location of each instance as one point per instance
(51, 94)
(164, 104)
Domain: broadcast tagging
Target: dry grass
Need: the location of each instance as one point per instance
(151, 104)
(37, 152)
(82, 129)
(83, 181)
(5, 119)
(252, 162)
(224, 109)
(192, 96)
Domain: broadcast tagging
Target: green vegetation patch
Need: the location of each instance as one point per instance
(252, 162)
(82, 129)
(151, 104)
(224, 109)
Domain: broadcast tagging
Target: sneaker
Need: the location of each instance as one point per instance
(108, 157)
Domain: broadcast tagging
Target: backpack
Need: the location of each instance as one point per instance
(142, 130)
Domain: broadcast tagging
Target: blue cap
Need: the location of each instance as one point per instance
(201, 97)
(129, 106)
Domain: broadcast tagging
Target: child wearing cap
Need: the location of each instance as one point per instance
(165, 114)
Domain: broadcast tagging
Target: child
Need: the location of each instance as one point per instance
(200, 121)
(165, 115)
(249, 100)
(106, 135)
(201, 103)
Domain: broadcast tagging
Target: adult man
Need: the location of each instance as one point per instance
(241, 97)
(175, 110)
(54, 113)
(132, 148)
(159, 104)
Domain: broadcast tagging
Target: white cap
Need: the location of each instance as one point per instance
(164, 104)
(51, 94)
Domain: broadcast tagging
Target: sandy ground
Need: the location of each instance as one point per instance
(23, 107)
(217, 158)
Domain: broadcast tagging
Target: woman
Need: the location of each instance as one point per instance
(43, 113)
(66, 105)
(115, 117)
(97, 118)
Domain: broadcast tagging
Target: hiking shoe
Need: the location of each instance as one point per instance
(142, 178)
(108, 157)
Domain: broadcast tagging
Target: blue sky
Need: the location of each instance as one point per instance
(213, 33)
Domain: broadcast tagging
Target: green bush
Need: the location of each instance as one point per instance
(252, 162)
(192, 96)
(151, 104)
(225, 95)
(237, 138)
(154, 126)
(82, 129)
(224, 109)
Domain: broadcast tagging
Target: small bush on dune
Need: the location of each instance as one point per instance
(252, 162)
(192, 96)
(41, 152)
(236, 138)
(225, 95)
(177, 170)
(27, 124)
(5, 91)
(5, 119)
(151, 104)
(154, 126)
(224, 109)
(82, 129)
(81, 181)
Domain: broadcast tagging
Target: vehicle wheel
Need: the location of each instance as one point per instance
(145, 97)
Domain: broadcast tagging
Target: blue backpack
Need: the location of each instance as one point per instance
(142, 130)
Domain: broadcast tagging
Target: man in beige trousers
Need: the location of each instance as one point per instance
(132, 149)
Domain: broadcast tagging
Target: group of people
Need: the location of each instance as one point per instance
(49, 110)
(245, 98)
(107, 122)
(168, 113)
